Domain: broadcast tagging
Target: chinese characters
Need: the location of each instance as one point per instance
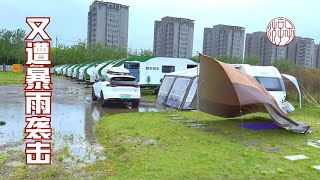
(38, 93)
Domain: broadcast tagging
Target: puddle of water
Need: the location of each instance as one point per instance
(252, 143)
(271, 150)
(73, 127)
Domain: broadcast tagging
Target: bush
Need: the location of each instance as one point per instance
(147, 92)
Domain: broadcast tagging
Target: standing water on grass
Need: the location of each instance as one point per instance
(73, 120)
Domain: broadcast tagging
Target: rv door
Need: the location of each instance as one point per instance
(134, 69)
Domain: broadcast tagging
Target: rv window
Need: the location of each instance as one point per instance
(270, 83)
(168, 69)
(129, 65)
(191, 66)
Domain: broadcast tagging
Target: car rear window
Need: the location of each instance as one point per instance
(124, 81)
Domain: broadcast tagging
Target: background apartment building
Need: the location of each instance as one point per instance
(223, 40)
(318, 55)
(257, 44)
(108, 24)
(173, 37)
(304, 52)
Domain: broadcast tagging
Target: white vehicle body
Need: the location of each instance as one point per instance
(75, 71)
(118, 71)
(52, 70)
(116, 88)
(95, 74)
(64, 70)
(270, 78)
(70, 70)
(152, 71)
(109, 65)
(59, 69)
(81, 72)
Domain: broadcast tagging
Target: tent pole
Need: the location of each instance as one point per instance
(198, 110)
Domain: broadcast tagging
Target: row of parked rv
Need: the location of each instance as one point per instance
(148, 71)
(120, 80)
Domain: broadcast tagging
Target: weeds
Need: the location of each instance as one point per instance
(3, 159)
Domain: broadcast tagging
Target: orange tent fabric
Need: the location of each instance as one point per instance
(226, 92)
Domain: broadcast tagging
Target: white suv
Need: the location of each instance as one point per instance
(116, 88)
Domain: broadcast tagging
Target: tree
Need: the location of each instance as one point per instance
(230, 59)
(285, 65)
(148, 79)
(252, 60)
(12, 46)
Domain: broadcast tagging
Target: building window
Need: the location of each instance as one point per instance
(168, 69)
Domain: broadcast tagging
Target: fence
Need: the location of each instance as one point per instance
(8, 68)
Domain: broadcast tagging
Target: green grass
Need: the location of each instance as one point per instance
(182, 152)
(149, 98)
(11, 78)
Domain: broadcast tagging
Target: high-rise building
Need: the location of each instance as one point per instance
(108, 24)
(303, 51)
(223, 40)
(257, 44)
(173, 37)
(292, 49)
(317, 56)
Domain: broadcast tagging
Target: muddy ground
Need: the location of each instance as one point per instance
(74, 116)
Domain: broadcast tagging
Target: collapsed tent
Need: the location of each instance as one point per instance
(227, 92)
(178, 88)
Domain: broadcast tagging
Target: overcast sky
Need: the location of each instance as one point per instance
(69, 17)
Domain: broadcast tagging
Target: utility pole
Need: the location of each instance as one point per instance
(57, 49)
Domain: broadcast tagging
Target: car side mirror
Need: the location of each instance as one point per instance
(96, 80)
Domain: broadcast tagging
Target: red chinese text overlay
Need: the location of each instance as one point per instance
(38, 93)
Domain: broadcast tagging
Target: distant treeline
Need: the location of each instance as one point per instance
(12, 51)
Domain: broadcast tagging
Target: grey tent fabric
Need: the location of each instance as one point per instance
(191, 94)
(178, 89)
(165, 89)
(178, 92)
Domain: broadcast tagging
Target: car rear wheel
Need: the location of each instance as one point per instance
(135, 104)
(103, 102)
(94, 97)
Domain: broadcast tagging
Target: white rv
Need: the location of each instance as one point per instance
(96, 72)
(58, 69)
(148, 71)
(271, 79)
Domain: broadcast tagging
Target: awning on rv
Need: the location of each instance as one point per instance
(296, 84)
(226, 92)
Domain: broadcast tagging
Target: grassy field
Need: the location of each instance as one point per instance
(149, 98)
(11, 78)
(163, 145)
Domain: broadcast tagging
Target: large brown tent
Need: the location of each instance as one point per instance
(226, 92)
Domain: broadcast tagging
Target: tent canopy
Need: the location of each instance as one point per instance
(227, 92)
